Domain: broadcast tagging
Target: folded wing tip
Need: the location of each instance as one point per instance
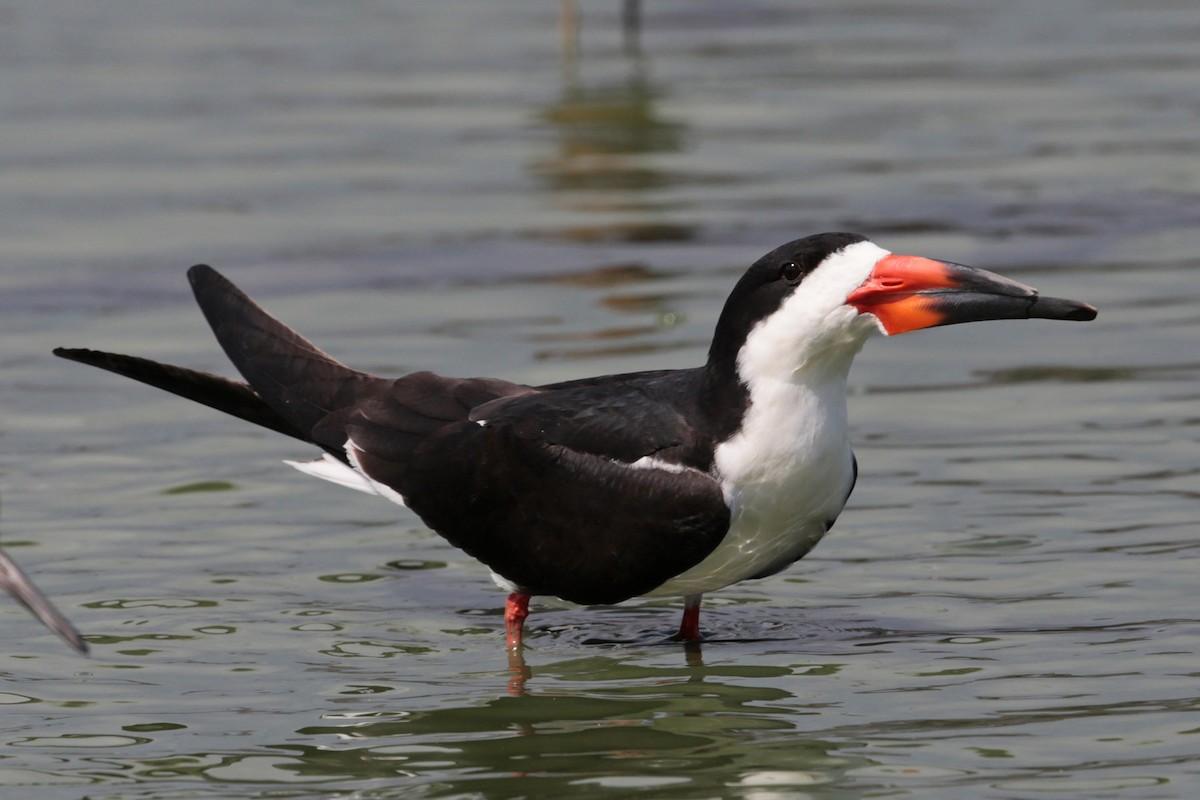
(200, 271)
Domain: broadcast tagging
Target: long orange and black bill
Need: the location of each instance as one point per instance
(907, 293)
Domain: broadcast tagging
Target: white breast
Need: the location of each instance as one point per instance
(788, 470)
(785, 475)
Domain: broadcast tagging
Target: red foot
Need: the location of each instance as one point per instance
(516, 609)
(689, 626)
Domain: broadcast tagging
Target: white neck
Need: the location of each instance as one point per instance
(785, 474)
(788, 469)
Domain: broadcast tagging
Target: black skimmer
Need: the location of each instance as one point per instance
(14, 581)
(669, 482)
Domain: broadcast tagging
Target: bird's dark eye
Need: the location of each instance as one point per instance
(791, 272)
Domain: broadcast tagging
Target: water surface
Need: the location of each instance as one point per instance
(1005, 609)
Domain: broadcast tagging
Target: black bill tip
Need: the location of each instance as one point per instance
(1058, 308)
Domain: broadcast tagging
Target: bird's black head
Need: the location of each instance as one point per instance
(764, 287)
(816, 300)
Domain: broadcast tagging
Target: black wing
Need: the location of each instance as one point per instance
(625, 418)
(232, 397)
(538, 484)
(309, 389)
(541, 491)
(550, 519)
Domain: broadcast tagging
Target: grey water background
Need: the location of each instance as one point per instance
(1006, 609)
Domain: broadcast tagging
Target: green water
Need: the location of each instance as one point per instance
(1006, 609)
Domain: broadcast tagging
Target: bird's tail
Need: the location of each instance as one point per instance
(291, 386)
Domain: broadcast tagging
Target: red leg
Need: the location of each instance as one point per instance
(516, 609)
(689, 626)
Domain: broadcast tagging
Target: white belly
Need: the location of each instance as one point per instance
(771, 526)
(786, 477)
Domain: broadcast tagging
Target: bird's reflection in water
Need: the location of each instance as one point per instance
(606, 135)
(570, 20)
(591, 717)
(520, 673)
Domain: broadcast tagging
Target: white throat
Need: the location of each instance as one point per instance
(814, 324)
